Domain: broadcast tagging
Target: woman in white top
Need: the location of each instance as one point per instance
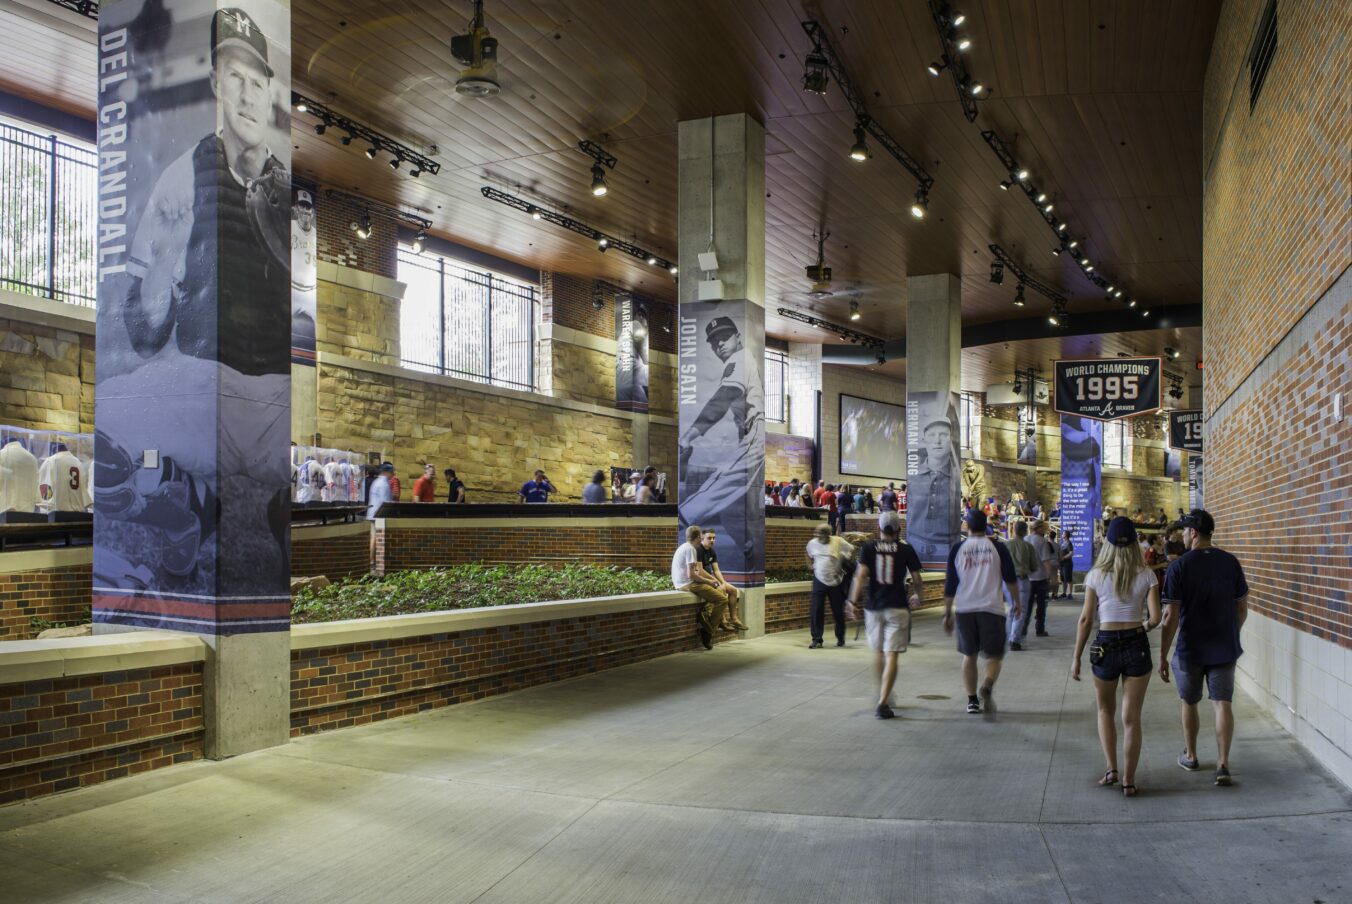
(1119, 590)
(794, 499)
(644, 494)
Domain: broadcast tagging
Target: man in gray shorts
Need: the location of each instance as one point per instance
(977, 567)
(1206, 602)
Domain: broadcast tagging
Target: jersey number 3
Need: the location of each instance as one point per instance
(74, 478)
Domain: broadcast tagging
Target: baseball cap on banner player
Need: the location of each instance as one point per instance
(717, 328)
(303, 198)
(235, 28)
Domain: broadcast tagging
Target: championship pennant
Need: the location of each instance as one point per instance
(1107, 389)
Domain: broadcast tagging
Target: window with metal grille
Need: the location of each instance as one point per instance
(49, 190)
(776, 368)
(1117, 445)
(1264, 49)
(467, 324)
(969, 424)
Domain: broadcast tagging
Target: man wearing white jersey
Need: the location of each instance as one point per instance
(977, 566)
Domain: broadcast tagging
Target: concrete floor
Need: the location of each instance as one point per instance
(753, 773)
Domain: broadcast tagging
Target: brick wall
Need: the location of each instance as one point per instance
(67, 732)
(58, 595)
(338, 244)
(46, 378)
(791, 611)
(640, 543)
(786, 542)
(334, 552)
(337, 687)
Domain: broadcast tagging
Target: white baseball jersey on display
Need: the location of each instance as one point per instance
(64, 482)
(18, 479)
(311, 481)
(331, 491)
(346, 487)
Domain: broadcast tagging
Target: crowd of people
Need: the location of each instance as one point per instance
(1195, 592)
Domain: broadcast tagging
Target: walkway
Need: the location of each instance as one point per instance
(753, 773)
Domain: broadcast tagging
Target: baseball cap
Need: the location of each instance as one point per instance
(717, 327)
(234, 27)
(387, 467)
(303, 197)
(976, 520)
(1121, 532)
(1199, 520)
(930, 420)
(889, 522)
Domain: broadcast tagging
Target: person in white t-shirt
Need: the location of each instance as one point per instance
(1119, 590)
(688, 576)
(828, 556)
(977, 567)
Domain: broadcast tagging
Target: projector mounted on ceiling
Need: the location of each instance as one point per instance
(818, 273)
(479, 54)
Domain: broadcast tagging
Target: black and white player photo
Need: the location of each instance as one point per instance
(932, 474)
(193, 406)
(304, 276)
(722, 443)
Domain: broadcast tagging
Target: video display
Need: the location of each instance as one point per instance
(872, 438)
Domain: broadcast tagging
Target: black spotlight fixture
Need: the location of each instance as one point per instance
(1171, 353)
(921, 204)
(598, 180)
(598, 302)
(997, 272)
(935, 68)
(371, 152)
(602, 243)
(1018, 297)
(346, 139)
(363, 226)
(854, 310)
(1005, 184)
(816, 71)
(394, 163)
(1018, 386)
(419, 241)
(320, 128)
(860, 150)
(1056, 252)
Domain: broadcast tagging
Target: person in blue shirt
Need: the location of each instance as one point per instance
(1206, 603)
(536, 490)
(594, 493)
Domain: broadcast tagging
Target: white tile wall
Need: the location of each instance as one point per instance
(1305, 682)
(804, 379)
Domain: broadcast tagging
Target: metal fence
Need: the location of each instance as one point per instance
(48, 216)
(466, 324)
(776, 370)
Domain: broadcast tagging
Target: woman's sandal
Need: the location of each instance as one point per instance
(1109, 778)
(1128, 790)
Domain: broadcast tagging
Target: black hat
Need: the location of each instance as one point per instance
(234, 27)
(976, 520)
(717, 327)
(1121, 532)
(1199, 520)
(387, 467)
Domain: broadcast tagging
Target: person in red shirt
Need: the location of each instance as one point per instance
(829, 503)
(394, 483)
(425, 487)
(817, 494)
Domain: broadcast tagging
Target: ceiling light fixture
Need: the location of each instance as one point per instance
(997, 272)
(1056, 252)
(844, 332)
(602, 243)
(1018, 297)
(1005, 184)
(330, 119)
(860, 149)
(598, 180)
(920, 205)
(602, 160)
(363, 226)
(416, 225)
(854, 310)
(419, 241)
(1021, 175)
(394, 163)
(958, 19)
(816, 71)
(577, 226)
(935, 68)
(964, 43)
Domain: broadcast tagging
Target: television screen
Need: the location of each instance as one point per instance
(872, 438)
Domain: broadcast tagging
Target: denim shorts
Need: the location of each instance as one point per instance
(1126, 655)
(1220, 681)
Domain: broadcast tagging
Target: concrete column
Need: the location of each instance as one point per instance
(720, 379)
(933, 370)
(193, 394)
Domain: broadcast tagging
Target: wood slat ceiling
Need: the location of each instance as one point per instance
(1102, 101)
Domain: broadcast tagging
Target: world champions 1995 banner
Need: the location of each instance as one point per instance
(721, 405)
(194, 316)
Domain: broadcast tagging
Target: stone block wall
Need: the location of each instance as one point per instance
(787, 457)
(357, 323)
(46, 377)
(336, 687)
(63, 733)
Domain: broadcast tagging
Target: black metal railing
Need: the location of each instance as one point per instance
(48, 216)
(466, 324)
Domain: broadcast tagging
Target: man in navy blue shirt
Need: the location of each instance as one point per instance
(1206, 602)
(536, 490)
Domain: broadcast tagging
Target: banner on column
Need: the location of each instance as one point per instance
(191, 517)
(1081, 484)
(721, 405)
(1028, 446)
(304, 276)
(1173, 464)
(631, 354)
(933, 483)
(1195, 493)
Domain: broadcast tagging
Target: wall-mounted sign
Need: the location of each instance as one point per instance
(1108, 388)
(1185, 430)
(631, 354)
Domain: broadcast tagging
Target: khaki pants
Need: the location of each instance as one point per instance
(711, 600)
